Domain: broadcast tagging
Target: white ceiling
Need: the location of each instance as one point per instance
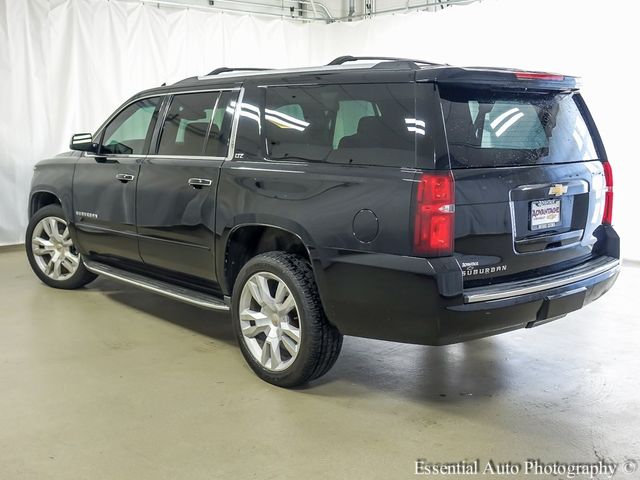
(337, 8)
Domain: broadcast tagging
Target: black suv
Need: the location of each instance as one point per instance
(386, 198)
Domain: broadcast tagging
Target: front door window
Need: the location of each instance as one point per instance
(129, 133)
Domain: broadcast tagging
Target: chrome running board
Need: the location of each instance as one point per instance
(522, 287)
(183, 294)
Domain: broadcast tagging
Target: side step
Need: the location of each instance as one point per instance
(158, 286)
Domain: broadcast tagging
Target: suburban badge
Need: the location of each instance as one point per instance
(86, 214)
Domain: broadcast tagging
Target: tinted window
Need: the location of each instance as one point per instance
(499, 128)
(250, 132)
(218, 143)
(349, 114)
(130, 131)
(354, 124)
(187, 123)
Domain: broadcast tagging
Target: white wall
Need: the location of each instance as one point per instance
(65, 65)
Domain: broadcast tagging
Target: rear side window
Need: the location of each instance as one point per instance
(350, 112)
(218, 140)
(195, 125)
(492, 128)
(367, 124)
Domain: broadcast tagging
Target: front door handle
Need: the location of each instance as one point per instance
(200, 182)
(124, 177)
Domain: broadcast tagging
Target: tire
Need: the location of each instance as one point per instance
(266, 331)
(51, 253)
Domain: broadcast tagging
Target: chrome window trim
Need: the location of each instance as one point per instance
(159, 128)
(234, 125)
(232, 136)
(204, 90)
(161, 95)
(190, 157)
(210, 126)
(113, 155)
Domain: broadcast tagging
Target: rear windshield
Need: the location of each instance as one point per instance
(492, 128)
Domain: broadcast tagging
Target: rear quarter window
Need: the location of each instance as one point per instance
(492, 128)
(368, 124)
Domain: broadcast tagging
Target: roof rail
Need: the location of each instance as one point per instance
(241, 69)
(348, 58)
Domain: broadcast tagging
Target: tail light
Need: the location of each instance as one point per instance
(434, 215)
(539, 76)
(607, 216)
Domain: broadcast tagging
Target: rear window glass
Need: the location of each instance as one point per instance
(352, 124)
(349, 114)
(197, 124)
(220, 130)
(489, 128)
(187, 123)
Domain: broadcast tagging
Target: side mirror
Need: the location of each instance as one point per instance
(83, 142)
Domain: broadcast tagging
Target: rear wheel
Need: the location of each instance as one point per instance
(281, 327)
(51, 252)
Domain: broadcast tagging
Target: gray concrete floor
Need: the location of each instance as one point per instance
(110, 382)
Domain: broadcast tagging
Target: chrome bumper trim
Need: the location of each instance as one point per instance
(523, 287)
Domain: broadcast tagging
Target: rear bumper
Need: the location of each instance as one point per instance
(524, 288)
(400, 298)
(517, 305)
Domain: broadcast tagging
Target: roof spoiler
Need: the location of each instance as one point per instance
(509, 78)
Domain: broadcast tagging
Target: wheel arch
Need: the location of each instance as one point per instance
(52, 183)
(42, 198)
(45, 196)
(246, 240)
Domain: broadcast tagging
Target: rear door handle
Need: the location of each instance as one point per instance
(200, 182)
(124, 177)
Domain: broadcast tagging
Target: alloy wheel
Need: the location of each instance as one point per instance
(270, 321)
(53, 249)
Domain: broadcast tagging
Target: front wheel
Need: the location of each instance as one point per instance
(51, 252)
(281, 326)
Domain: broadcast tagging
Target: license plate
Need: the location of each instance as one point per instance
(545, 214)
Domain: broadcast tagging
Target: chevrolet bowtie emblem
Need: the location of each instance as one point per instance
(558, 190)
